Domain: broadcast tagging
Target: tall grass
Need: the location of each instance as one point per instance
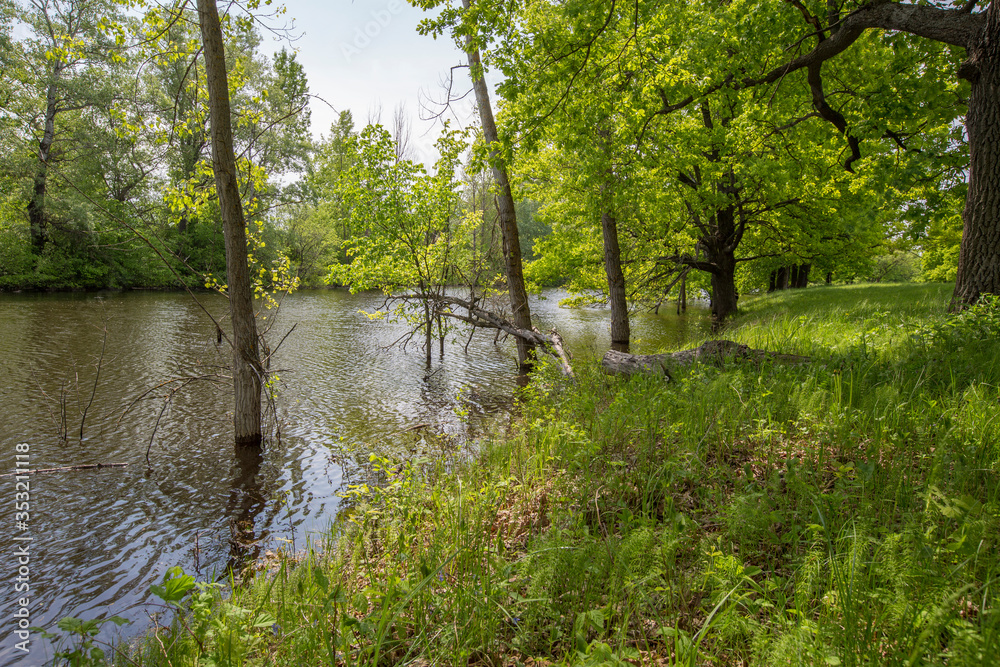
(844, 511)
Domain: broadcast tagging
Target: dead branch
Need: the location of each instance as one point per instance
(85, 466)
(480, 317)
(97, 376)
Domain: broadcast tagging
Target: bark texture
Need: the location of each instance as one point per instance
(979, 256)
(802, 275)
(720, 251)
(247, 370)
(520, 312)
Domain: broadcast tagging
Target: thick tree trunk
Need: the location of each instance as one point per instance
(721, 251)
(520, 312)
(247, 370)
(36, 206)
(36, 210)
(979, 255)
(724, 294)
(620, 334)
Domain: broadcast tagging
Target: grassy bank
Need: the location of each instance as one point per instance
(844, 511)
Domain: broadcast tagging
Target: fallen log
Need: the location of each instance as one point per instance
(614, 362)
(715, 351)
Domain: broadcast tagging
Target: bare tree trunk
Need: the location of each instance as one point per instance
(620, 333)
(440, 323)
(247, 370)
(782, 280)
(428, 331)
(520, 312)
(979, 256)
(721, 252)
(684, 294)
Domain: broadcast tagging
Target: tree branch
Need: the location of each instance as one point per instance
(951, 26)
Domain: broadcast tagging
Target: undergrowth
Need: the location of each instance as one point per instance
(845, 511)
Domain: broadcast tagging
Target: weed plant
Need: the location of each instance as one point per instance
(844, 511)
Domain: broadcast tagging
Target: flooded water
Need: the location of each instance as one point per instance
(100, 537)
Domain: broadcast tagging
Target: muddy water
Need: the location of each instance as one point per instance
(100, 537)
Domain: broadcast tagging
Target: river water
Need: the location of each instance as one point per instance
(100, 537)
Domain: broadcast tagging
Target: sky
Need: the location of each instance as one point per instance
(364, 55)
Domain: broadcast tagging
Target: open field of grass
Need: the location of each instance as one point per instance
(840, 512)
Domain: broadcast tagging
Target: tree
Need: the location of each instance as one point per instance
(247, 370)
(72, 44)
(715, 174)
(841, 26)
(463, 26)
(416, 240)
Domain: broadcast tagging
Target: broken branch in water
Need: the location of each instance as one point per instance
(480, 317)
(85, 466)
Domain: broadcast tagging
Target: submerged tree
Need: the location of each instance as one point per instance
(464, 28)
(416, 238)
(247, 369)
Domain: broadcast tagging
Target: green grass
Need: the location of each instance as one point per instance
(844, 511)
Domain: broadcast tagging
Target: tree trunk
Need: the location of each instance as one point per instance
(979, 255)
(829, 277)
(721, 252)
(724, 294)
(682, 297)
(440, 323)
(802, 277)
(428, 332)
(247, 370)
(620, 334)
(520, 312)
(36, 207)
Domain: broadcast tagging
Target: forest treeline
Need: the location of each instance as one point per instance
(638, 155)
